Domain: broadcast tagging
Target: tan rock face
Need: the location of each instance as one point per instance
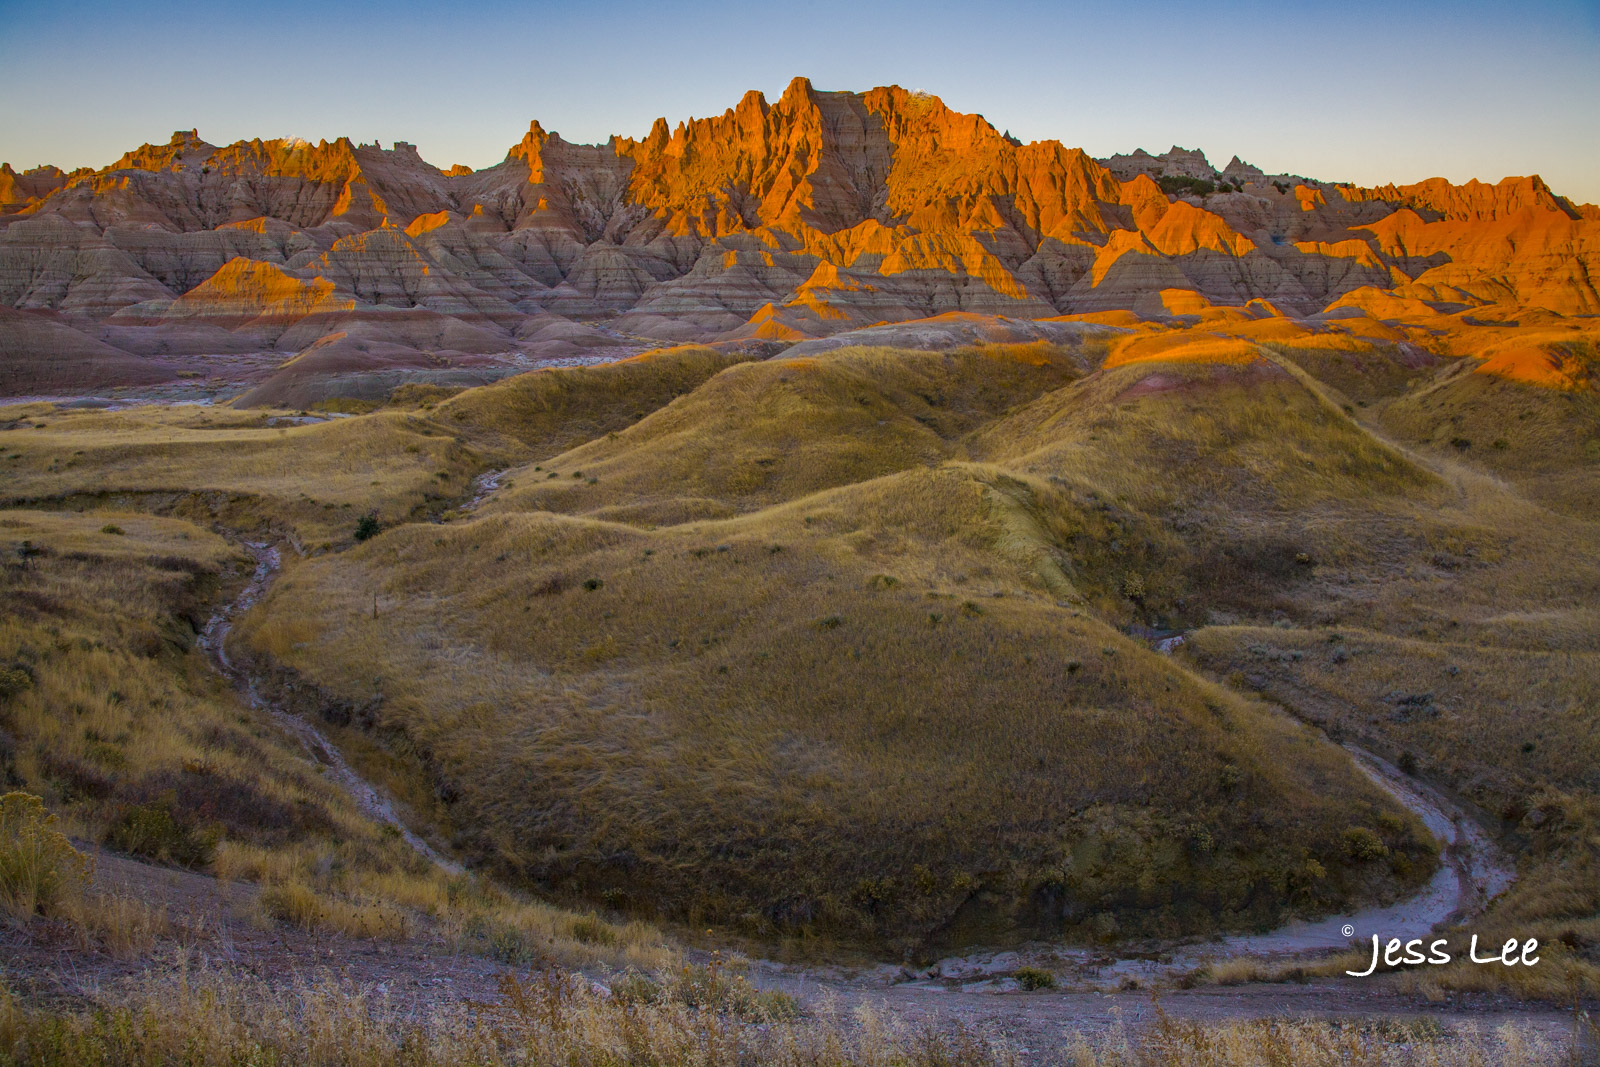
(817, 214)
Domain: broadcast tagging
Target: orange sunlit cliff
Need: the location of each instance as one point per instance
(817, 214)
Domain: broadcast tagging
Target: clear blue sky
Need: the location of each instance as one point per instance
(1356, 90)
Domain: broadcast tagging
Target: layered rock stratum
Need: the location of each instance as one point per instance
(821, 213)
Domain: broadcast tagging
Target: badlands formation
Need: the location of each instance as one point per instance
(340, 270)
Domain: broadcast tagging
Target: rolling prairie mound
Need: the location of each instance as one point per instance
(773, 430)
(820, 718)
(867, 689)
(1527, 411)
(562, 408)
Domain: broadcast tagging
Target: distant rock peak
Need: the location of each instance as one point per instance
(804, 217)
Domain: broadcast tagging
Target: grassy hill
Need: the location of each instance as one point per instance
(836, 649)
(868, 697)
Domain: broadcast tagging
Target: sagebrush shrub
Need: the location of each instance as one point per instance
(1363, 845)
(39, 868)
(149, 830)
(1033, 978)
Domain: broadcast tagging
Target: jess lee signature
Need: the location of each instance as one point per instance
(1410, 953)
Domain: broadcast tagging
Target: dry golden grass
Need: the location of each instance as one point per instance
(127, 927)
(111, 715)
(1546, 442)
(207, 1021)
(741, 659)
(311, 480)
(1361, 372)
(1161, 435)
(560, 408)
(760, 433)
(819, 718)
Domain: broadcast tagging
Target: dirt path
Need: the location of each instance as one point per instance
(214, 639)
(1473, 870)
(218, 928)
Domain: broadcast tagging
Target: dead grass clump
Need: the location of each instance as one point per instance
(152, 756)
(125, 926)
(303, 907)
(713, 987)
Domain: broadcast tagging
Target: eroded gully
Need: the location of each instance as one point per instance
(214, 639)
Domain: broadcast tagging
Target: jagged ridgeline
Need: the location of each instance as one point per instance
(820, 213)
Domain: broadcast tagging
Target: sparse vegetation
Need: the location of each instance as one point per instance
(121, 731)
(914, 727)
(1182, 185)
(1034, 978)
(729, 671)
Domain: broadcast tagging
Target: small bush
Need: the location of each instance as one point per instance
(1363, 845)
(486, 936)
(149, 830)
(14, 681)
(592, 584)
(710, 989)
(510, 946)
(1034, 978)
(368, 527)
(39, 868)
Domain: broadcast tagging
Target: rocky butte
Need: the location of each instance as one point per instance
(820, 213)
